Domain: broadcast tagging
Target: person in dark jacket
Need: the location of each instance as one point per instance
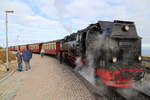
(19, 60)
(61, 56)
(27, 55)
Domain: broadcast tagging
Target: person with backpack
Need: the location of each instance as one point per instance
(19, 60)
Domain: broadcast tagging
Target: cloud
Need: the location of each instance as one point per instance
(91, 11)
(39, 19)
(18, 6)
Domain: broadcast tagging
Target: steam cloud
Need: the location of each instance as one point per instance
(61, 12)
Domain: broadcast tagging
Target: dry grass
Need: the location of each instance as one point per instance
(3, 56)
(12, 64)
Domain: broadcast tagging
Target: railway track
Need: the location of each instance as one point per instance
(103, 92)
(117, 93)
(132, 94)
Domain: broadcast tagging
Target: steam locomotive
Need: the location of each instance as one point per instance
(112, 49)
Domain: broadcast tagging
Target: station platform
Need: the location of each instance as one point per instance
(47, 80)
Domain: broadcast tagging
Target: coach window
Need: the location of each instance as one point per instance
(50, 46)
(54, 45)
(47, 46)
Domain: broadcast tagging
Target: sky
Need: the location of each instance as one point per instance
(45, 20)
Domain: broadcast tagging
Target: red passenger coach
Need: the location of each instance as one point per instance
(36, 48)
(16, 48)
(12, 48)
(52, 47)
(22, 47)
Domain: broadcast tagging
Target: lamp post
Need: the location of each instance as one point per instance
(18, 42)
(7, 62)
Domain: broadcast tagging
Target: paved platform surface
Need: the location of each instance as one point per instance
(47, 80)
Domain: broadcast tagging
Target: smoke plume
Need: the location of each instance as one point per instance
(62, 13)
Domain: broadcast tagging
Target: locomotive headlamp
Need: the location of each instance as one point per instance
(114, 59)
(139, 58)
(126, 28)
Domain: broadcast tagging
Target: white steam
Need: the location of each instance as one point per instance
(61, 13)
(85, 71)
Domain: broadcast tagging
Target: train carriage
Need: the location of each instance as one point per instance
(16, 48)
(22, 47)
(12, 48)
(52, 47)
(36, 48)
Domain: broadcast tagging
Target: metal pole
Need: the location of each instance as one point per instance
(18, 42)
(7, 62)
(7, 59)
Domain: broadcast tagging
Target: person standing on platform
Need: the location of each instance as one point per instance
(61, 56)
(42, 52)
(19, 60)
(27, 55)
